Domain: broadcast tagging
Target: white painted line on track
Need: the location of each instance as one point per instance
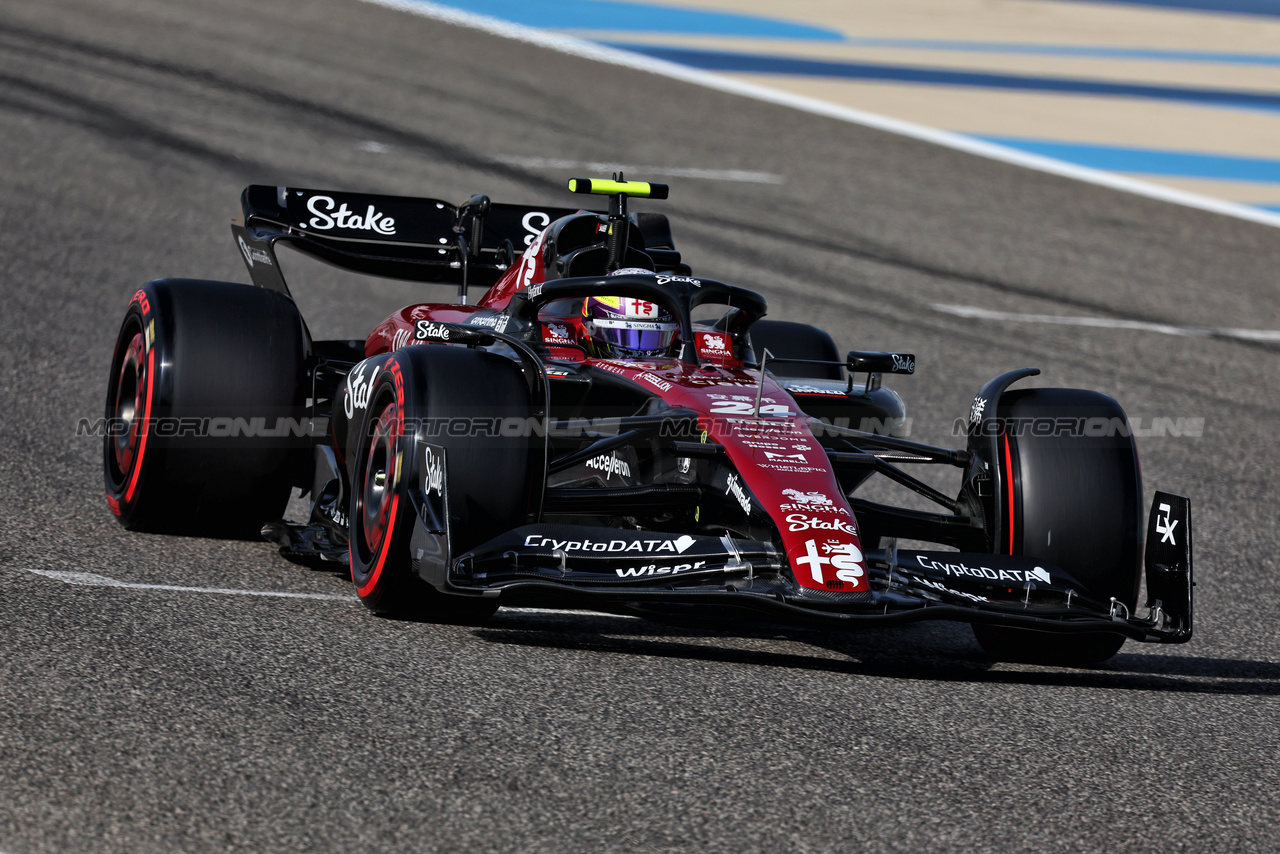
(90, 579)
(743, 175)
(1108, 323)
(585, 612)
(672, 171)
(959, 142)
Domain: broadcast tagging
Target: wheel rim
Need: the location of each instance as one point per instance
(378, 491)
(127, 406)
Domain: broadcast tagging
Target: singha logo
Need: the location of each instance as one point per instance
(813, 499)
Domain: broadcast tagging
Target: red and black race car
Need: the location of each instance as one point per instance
(604, 429)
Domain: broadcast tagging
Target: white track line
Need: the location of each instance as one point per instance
(90, 579)
(584, 612)
(742, 175)
(1108, 323)
(590, 50)
(672, 171)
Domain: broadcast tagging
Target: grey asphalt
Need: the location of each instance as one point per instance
(149, 720)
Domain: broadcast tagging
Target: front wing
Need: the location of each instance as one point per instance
(586, 565)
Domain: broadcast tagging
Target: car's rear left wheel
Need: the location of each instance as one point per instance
(204, 407)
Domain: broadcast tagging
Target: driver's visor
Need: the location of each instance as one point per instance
(636, 336)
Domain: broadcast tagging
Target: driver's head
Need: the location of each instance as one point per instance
(626, 327)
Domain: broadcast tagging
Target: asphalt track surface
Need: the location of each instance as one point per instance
(141, 719)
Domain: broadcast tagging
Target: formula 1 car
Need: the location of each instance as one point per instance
(603, 429)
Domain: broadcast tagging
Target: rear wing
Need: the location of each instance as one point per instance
(396, 237)
(399, 237)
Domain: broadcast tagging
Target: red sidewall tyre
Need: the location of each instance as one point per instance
(380, 514)
(425, 391)
(201, 377)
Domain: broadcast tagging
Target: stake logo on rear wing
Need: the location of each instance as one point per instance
(398, 237)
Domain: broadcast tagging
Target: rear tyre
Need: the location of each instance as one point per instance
(786, 340)
(203, 374)
(1077, 502)
(431, 389)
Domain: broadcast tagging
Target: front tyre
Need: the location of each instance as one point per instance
(431, 392)
(1076, 502)
(381, 516)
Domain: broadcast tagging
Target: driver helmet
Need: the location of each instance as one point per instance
(626, 327)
